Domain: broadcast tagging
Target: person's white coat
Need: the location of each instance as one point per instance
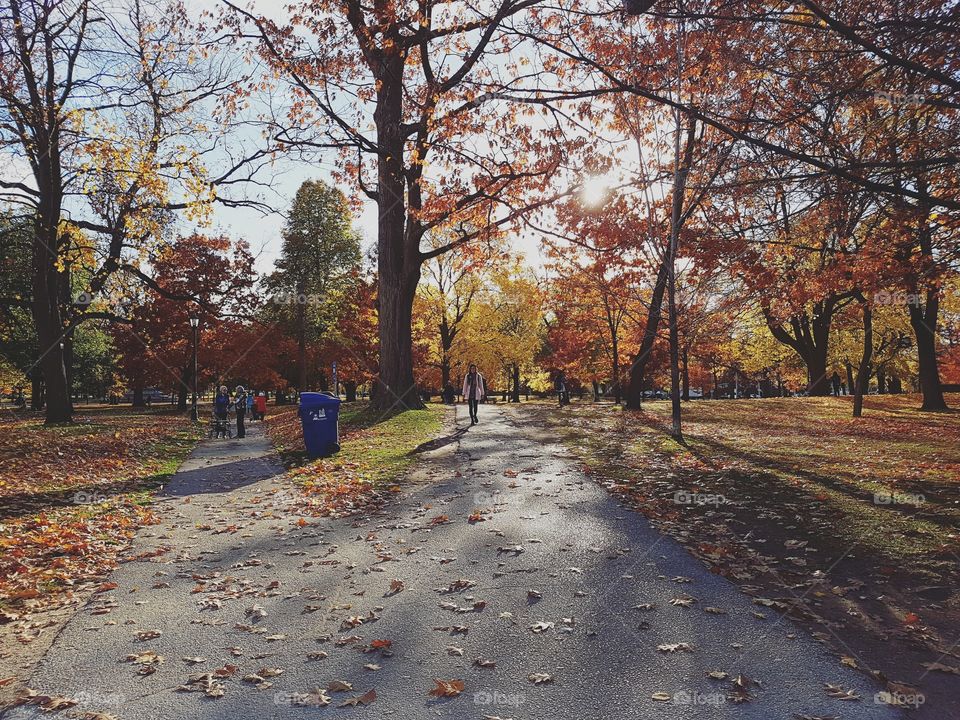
(478, 390)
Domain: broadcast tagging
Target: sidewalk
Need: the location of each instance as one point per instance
(514, 574)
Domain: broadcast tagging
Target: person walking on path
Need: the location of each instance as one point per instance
(250, 412)
(474, 390)
(240, 405)
(260, 407)
(221, 408)
(561, 387)
(835, 380)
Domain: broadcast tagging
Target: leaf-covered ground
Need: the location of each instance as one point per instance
(72, 496)
(375, 451)
(852, 525)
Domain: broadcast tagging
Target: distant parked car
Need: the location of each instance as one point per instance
(154, 395)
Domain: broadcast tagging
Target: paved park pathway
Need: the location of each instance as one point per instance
(562, 595)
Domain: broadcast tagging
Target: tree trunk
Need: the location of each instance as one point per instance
(616, 370)
(444, 372)
(186, 385)
(36, 390)
(350, 388)
(863, 371)
(818, 383)
(397, 389)
(881, 382)
(682, 168)
(138, 400)
(596, 391)
(850, 382)
(639, 366)
(398, 244)
(515, 392)
(924, 323)
(685, 374)
(48, 320)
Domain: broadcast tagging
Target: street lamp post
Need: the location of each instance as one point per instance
(194, 324)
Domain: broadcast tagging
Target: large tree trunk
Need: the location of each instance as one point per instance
(398, 246)
(48, 320)
(685, 373)
(818, 383)
(36, 390)
(809, 339)
(186, 384)
(924, 323)
(616, 369)
(863, 371)
(397, 389)
(654, 311)
(515, 392)
(444, 371)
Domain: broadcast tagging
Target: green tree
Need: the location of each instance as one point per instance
(318, 265)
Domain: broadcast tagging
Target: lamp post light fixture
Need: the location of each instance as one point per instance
(194, 324)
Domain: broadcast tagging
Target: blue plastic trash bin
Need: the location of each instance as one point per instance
(319, 414)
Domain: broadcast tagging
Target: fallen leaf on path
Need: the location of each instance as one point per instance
(447, 688)
(368, 697)
(314, 698)
(836, 691)
(675, 647)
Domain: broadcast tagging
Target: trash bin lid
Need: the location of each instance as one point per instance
(316, 399)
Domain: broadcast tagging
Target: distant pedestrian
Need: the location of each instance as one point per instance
(260, 407)
(250, 396)
(240, 407)
(221, 410)
(560, 385)
(835, 380)
(474, 391)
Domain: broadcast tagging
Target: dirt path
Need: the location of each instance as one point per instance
(574, 606)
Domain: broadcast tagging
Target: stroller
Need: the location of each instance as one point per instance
(220, 426)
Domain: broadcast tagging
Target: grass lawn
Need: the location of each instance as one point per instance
(852, 525)
(72, 496)
(375, 453)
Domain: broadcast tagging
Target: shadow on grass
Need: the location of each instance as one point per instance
(438, 443)
(86, 494)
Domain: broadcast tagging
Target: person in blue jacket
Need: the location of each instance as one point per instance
(221, 407)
